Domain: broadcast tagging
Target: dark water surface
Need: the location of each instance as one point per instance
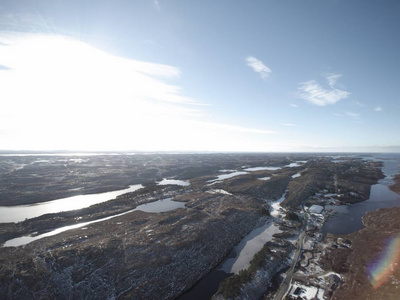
(206, 287)
(348, 221)
(239, 258)
(381, 197)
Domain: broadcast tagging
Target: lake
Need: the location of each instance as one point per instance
(159, 206)
(348, 218)
(19, 213)
(238, 259)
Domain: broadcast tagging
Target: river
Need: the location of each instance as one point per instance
(238, 259)
(347, 220)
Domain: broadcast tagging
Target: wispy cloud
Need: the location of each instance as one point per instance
(101, 72)
(228, 127)
(356, 117)
(25, 22)
(120, 103)
(156, 5)
(378, 109)
(294, 105)
(258, 66)
(353, 115)
(314, 93)
(359, 103)
(4, 68)
(332, 79)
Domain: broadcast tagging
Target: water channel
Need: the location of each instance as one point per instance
(348, 218)
(238, 259)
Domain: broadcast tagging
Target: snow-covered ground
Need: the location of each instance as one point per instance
(19, 213)
(263, 169)
(219, 191)
(305, 292)
(276, 206)
(298, 163)
(158, 206)
(330, 273)
(226, 176)
(248, 247)
(166, 181)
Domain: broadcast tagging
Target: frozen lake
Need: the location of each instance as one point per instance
(159, 206)
(166, 181)
(263, 169)
(19, 213)
(248, 247)
(227, 176)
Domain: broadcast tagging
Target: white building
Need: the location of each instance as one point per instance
(316, 209)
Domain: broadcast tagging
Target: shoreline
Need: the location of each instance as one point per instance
(380, 227)
(396, 186)
(201, 236)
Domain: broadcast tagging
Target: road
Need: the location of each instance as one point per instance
(289, 274)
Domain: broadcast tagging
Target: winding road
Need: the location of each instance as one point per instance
(284, 287)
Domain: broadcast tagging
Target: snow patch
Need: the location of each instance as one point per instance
(276, 206)
(219, 191)
(166, 181)
(263, 169)
(227, 176)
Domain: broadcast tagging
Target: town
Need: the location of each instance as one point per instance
(309, 280)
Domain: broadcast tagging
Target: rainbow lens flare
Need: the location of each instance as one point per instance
(386, 263)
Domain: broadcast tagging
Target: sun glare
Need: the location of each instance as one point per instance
(59, 93)
(69, 94)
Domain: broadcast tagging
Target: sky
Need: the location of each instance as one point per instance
(258, 76)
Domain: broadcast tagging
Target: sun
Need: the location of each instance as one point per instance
(67, 94)
(59, 93)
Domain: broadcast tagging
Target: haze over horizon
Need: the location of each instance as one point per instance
(265, 76)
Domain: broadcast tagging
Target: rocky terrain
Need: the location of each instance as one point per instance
(121, 204)
(253, 282)
(142, 255)
(396, 186)
(351, 179)
(34, 179)
(356, 263)
(138, 255)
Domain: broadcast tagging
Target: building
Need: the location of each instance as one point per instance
(316, 209)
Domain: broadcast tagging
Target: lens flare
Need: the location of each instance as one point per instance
(386, 263)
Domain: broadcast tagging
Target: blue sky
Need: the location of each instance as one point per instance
(200, 75)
